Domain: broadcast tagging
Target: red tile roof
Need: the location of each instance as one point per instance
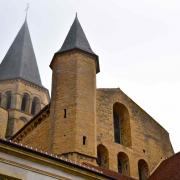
(169, 169)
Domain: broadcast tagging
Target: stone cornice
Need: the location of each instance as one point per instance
(26, 83)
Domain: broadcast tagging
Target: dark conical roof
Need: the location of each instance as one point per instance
(20, 60)
(76, 39)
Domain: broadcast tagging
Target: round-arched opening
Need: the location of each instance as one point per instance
(123, 164)
(8, 99)
(143, 170)
(36, 106)
(25, 103)
(24, 119)
(102, 156)
(22, 122)
(121, 121)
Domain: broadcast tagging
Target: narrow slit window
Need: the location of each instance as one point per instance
(65, 113)
(84, 140)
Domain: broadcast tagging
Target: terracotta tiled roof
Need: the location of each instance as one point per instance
(169, 169)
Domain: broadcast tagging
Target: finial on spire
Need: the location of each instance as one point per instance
(26, 10)
(76, 14)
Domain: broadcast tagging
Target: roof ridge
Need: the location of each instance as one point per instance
(20, 69)
(75, 21)
(76, 32)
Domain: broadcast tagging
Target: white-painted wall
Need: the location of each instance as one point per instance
(27, 170)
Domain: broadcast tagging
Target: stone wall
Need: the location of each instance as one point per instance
(3, 121)
(36, 134)
(147, 141)
(17, 118)
(150, 141)
(74, 91)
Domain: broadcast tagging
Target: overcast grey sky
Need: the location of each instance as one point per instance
(138, 43)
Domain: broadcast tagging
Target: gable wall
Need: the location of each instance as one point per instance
(37, 137)
(146, 134)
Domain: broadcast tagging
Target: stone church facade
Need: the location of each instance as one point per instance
(84, 124)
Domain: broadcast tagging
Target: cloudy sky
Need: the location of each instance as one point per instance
(138, 43)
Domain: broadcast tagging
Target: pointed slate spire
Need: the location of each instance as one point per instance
(20, 61)
(76, 39)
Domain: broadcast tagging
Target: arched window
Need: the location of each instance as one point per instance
(143, 170)
(36, 106)
(102, 156)
(121, 121)
(25, 103)
(8, 102)
(24, 119)
(123, 164)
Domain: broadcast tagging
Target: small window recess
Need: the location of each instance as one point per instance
(84, 140)
(65, 113)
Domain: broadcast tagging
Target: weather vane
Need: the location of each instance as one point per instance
(27, 8)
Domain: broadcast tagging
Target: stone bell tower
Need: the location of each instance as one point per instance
(22, 94)
(73, 103)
